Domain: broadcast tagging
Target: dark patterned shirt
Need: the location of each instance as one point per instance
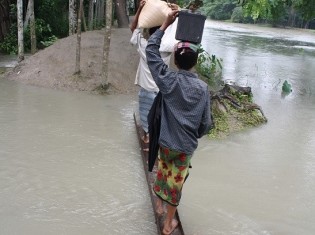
(185, 111)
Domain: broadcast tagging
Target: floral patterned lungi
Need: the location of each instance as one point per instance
(173, 169)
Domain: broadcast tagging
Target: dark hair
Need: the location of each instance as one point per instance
(185, 58)
(153, 29)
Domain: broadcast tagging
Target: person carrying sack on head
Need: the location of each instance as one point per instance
(148, 88)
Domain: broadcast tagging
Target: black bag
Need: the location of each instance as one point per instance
(154, 121)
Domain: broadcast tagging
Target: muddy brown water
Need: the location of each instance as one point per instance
(70, 162)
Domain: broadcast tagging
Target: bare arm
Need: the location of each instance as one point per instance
(170, 19)
(134, 23)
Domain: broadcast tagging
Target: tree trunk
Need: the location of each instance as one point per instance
(78, 50)
(291, 17)
(83, 20)
(72, 17)
(96, 13)
(307, 23)
(91, 14)
(101, 12)
(32, 27)
(28, 15)
(20, 30)
(120, 10)
(109, 9)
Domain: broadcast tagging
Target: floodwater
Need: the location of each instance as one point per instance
(70, 162)
(8, 61)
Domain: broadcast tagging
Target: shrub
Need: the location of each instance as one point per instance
(44, 36)
(9, 44)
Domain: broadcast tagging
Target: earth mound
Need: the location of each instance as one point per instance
(54, 66)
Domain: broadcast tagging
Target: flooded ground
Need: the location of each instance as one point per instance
(260, 181)
(8, 61)
(70, 163)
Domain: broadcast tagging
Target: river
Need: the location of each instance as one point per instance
(70, 162)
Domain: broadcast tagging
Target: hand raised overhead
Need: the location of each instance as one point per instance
(169, 19)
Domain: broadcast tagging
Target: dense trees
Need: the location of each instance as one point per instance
(58, 18)
(120, 10)
(219, 10)
(52, 19)
(294, 13)
(4, 18)
(306, 8)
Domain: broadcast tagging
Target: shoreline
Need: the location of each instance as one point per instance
(53, 67)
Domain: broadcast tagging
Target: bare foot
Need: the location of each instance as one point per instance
(167, 230)
(145, 138)
(159, 207)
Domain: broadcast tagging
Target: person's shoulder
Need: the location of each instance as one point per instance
(203, 85)
(134, 37)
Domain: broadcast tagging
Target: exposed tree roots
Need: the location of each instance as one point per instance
(234, 110)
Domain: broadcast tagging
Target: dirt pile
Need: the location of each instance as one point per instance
(54, 66)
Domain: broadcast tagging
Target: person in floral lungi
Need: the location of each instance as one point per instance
(185, 117)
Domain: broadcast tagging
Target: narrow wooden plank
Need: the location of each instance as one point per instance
(150, 176)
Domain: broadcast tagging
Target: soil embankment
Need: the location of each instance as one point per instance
(54, 66)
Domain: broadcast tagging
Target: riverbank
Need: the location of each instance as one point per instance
(2, 70)
(298, 34)
(54, 66)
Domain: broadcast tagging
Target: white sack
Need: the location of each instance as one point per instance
(153, 13)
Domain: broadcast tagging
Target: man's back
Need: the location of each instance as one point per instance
(185, 113)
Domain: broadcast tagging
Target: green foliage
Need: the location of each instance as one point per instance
(183, 3)
(219, 10)
(2, 71)
(241, 97)
(221, 124)
(296, 13)
(306, 8)
(49, 41)
(10, 43)
(44, 36)
(229, 118)
(55, 14)
(238, 16)
(13, 11)
(209, 67)
(257, 9)
(277, 11)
